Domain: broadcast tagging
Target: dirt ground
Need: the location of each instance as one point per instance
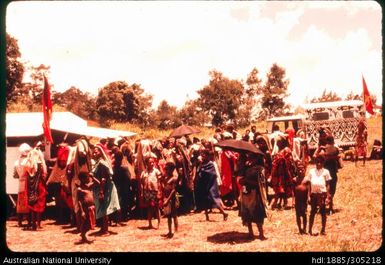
(357, 226)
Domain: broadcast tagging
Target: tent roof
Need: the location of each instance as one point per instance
(97, 132)
(30, 124)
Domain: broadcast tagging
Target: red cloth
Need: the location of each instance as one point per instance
(47, 110)
(228, 159)
(62, 153)
(290, 136)
(281, 177)
(39, 206)
(65, 199)
(367, 99)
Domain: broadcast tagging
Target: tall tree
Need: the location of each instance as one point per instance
(121, 102)
(191, 114)
(221, 98)
(14, 68)
(35, 89)
(166, 116)
(250, 109)
(274, 92)
(29, 94)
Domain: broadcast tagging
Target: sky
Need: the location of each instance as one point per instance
(170, 47)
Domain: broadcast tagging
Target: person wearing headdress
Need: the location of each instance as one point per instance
(81, 162)
(263, 144)
(105, 194)
(184, 170)
(206, 191)
(277, 137)
(227, 166)
(361, 141)
(20, 172)
(36, 191)
(253, 200)
(281, 179)
(57, 181)
(301, 148)
(290, 132)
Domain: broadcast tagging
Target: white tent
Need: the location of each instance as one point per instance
(30, 124)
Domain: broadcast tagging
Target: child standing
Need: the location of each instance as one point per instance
(170, 204)
(151, 190)
(86, 206)
(300, 195)
(319, 179)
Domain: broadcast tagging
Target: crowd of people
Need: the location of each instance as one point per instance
(115, 180)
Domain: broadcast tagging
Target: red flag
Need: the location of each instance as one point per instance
(47, 110)
(367, 99)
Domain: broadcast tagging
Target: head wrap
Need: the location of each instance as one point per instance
(24, 149)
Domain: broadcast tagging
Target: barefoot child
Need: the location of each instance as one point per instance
(86, 206)
(170, 203)
(151, 189)
(300, 194)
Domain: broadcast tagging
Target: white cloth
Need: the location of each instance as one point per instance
(317, 179)
(276, 135)
(21, 170)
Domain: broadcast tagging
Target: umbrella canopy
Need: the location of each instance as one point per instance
(239, 146)
(183, 130)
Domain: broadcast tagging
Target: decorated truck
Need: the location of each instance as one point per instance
(338, 117)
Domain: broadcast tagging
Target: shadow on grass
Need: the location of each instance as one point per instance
(232, 237)
(145, 228)
(102, 233)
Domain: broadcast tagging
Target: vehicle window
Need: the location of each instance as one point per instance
(347, 114)
(320, 116)
(281, 125)
(295, 125)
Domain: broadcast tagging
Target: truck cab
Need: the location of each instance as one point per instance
(295, 121)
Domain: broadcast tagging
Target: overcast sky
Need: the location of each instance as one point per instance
(169, 47)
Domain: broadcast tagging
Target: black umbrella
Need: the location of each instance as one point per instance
(183, 130)
(239, 146)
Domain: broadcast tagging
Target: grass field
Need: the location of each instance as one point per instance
(357, 225)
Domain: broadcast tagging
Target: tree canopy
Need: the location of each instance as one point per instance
(121, 102)
(274, 92)
(166, 116)
(74, 100)
(221, 98)
(14, 68)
